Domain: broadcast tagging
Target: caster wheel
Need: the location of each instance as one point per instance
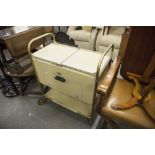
(41, 101)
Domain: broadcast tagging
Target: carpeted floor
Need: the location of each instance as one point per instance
(23, 112)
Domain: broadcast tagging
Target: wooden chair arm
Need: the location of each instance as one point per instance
(106, 82)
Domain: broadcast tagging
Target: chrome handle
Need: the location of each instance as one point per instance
(38, 38)
(111, 46)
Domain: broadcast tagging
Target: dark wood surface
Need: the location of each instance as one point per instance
(9, 32)
(16, 39)
(139, 51)
(16, 30)
(124, 42)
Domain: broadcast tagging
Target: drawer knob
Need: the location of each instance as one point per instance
(60, 78)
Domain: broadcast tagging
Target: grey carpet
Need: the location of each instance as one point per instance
(23, 112)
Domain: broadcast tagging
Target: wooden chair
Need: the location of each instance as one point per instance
(21, 67)
(138, 60)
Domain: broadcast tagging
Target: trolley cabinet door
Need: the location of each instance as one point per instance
(70, 82)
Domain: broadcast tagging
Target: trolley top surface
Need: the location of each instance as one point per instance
(72, 57)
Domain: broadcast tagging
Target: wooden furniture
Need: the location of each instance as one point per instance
(140, 50)
(16, 39)
(124, 42)
(70, 74)
(139, 54)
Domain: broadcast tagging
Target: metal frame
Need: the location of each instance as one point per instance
(42, 100)
(111, 47)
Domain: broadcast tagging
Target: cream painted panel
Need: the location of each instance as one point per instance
(46, 71)
(70, 103)
(78, 85)
(55, 53)
(86, 61)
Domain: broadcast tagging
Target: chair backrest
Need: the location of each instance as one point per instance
(17, 44)
(114, 30)
(124, 42)
(139, 58)
(62, 29)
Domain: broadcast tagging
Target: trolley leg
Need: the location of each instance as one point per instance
(42, 100)
(92, 118)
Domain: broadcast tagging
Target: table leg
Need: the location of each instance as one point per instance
(9, 89)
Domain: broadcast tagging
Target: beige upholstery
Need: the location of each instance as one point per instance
(57, 29)
(108, 35)
(83, 38)
(80, 35)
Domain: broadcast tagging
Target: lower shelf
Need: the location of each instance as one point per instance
(69, 103)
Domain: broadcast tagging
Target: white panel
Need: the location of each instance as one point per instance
(55, 53)
(86, 61)
(77, 84)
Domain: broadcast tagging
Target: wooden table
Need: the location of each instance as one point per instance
(9, 33)
(7, 41)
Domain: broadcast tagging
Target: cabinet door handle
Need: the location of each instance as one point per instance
(60, 78)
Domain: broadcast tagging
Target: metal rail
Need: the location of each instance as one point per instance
(38, 38)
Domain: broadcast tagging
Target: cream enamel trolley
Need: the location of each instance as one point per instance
(71, 74)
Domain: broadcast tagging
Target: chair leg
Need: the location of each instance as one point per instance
(104, 125)
(27, 83)
(110, 122)
(21, 87)
(99, 104)
(98, 122)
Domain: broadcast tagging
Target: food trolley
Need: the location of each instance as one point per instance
(69, 75)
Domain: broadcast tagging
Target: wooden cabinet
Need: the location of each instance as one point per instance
(140, 51)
